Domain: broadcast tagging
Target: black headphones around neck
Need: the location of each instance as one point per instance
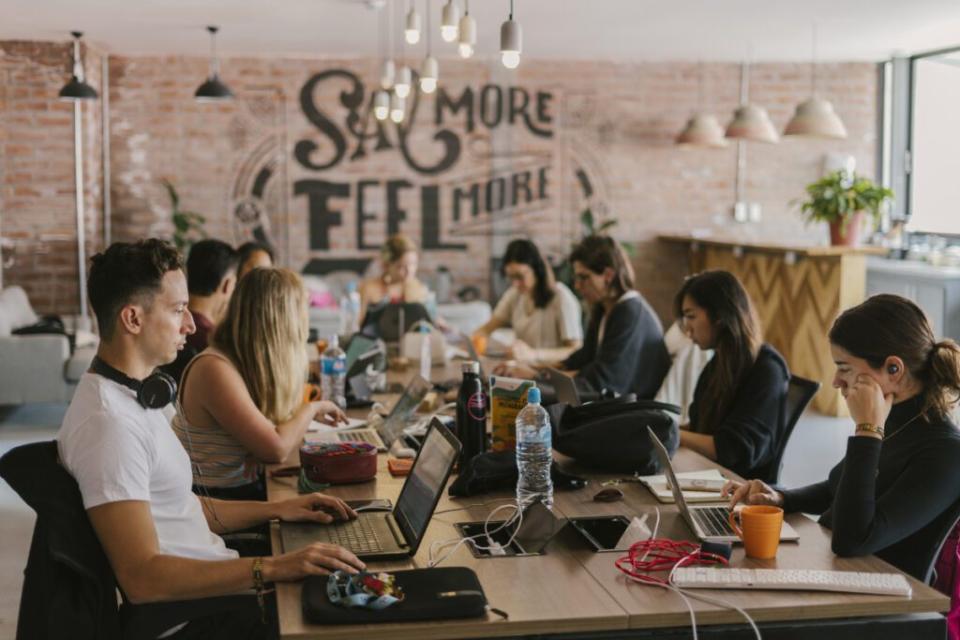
(155, 392)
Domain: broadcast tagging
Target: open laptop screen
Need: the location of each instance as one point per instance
(425, 484)
(407, 403)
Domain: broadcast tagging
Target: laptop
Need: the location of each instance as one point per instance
(709, 523)
(564, 386)
(390, 428)
(398, 534)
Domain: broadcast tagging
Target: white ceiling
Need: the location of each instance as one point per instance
(623, 30)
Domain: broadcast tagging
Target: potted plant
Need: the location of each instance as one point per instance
(843, 199)
(187, 225)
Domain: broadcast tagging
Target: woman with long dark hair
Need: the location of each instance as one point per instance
(891, 494)
(543, 313)
(623, 351)
(737, 414)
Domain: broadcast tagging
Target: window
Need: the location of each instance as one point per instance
(935, 144)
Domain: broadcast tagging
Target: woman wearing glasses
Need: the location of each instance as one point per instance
(892, 493)
(543, 313)
(623, 351)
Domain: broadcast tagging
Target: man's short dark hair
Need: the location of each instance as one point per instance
(125, 272)
(209, 262)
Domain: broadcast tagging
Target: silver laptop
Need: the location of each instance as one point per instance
(398, 534)
(710, 523)
(392, 426)
(564, 386)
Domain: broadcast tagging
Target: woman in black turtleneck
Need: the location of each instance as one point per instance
(902, 467)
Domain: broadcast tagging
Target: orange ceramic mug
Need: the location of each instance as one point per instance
(759, 528)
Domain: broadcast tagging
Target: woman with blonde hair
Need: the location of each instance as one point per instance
(240, 403)
(398, 278)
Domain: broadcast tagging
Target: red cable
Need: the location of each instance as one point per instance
(661, 554)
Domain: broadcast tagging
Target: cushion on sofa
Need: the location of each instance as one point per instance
(15, 310)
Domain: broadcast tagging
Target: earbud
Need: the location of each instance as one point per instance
(893, 369)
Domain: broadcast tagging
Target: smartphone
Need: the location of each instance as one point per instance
(601, 533)
(376, 504)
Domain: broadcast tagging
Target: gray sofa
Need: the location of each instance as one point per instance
(37, 368)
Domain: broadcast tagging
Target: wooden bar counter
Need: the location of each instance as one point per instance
(798, 292)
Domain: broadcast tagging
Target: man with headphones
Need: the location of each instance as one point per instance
(133, 473)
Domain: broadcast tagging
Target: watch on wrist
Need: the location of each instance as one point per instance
(872, 428)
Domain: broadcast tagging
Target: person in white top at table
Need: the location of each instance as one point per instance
(134, 475)
(543, 313)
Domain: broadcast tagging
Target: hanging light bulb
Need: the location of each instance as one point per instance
(402, 84)
(468, 34)
(511, 41)
(412, 30)
(429, 72)
(450, 19)
(213, 89)
(387, 73)
(381, 105)
(397, 107)
(77, 88)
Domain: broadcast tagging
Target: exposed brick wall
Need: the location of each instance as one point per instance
(37, 204)
(616, 122)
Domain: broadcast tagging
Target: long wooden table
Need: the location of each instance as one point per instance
(573, 591)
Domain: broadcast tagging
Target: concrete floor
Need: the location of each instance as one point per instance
(817, 444)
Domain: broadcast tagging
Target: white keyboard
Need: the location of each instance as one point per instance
(893, 584)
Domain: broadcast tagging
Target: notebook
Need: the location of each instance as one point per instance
(660, 489)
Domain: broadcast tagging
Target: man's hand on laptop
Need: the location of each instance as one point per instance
(329, 413)
(317, 559)
(751, 492)
(314, 507)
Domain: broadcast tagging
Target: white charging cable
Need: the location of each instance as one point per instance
(456, 543)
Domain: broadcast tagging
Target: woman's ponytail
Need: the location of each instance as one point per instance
(943, 387)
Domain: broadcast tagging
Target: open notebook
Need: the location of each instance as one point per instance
(658, 486)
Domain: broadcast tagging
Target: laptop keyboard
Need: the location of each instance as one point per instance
(351, 436)
(357, 535)
(713, 520)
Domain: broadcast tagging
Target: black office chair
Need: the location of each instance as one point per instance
(800, 392)
(69, 590)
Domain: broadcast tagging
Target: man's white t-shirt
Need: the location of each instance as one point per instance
(117, 450)
(550, 327)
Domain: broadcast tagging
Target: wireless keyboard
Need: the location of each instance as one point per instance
(893, 584)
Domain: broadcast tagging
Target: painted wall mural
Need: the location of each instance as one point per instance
(468, 164)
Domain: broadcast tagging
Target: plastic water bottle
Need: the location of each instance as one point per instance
(471, 414)
(333, 373)
(350, 310)
(425, 355)
(534, 453)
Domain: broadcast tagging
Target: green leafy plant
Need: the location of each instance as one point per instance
(187, 225)
(836, 197)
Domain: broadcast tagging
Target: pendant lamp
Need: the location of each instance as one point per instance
(77, 88)
(703, 129)
(511, 41)
(450, 19)
(750, 122)
(815, 117)
(213, 89)
(467, 40)
(429, 70)
(412, 27)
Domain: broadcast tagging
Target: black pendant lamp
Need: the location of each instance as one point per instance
(213, 89)
(77, 88)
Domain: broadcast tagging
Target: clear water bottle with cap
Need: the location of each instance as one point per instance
(425, 354)
(471, 413)
(534, 453)
(333, 373)
(350, 310)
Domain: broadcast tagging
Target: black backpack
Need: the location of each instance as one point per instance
(611, 435)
